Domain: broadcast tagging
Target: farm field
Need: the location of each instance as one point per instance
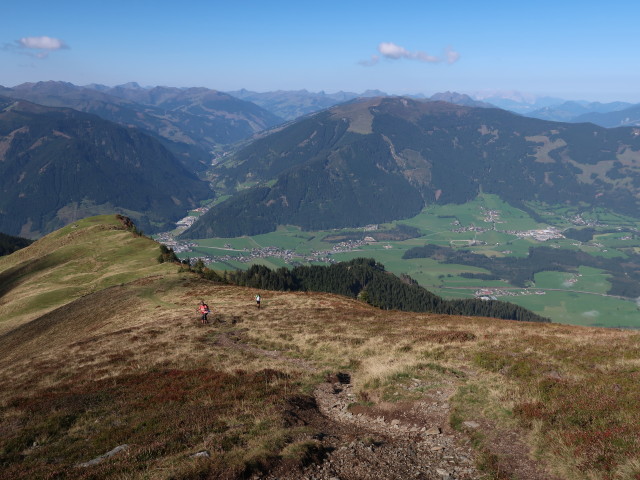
(486, 226)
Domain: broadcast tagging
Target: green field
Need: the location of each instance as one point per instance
(583, 309)
(485, 226)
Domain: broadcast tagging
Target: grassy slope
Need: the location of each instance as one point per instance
(81, 258)
(130, 364)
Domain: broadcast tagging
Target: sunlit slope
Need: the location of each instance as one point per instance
(123, 361)
(131, 365)
(81, 258)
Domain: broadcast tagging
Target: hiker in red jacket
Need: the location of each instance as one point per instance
(203, 309)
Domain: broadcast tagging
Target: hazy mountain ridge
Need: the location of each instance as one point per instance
(579, 112)
(59, 165)
(345, 166)
(459, 99)
(517, 102)
(190, 122)
(294, 104)
(626, 117)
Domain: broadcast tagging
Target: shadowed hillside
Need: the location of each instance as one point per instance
(311, 385)
(189, 122)
(58, 165)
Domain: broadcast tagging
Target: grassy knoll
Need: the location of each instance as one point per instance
(78, 259)
(131, 365)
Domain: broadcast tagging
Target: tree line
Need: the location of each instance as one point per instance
(9, 243)
(367, 280)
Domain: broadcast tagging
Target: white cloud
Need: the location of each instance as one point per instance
(393, 51)
(591, 314)
(42, 43)
(451, 55)
(38, 47)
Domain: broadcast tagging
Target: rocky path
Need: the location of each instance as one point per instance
(389, 441)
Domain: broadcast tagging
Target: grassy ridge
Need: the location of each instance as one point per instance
(83, 257)
(130, 364)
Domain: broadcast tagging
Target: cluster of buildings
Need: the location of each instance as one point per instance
(289, 256)
(494, 293)
(542, 235)
(491, 216)
(578, 220)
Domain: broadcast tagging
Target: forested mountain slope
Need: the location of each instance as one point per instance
(189, 122)
(381, 159)
(58, 165)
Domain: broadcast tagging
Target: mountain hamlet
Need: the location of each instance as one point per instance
(348, 368)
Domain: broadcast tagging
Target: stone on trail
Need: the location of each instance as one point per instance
(433, 431)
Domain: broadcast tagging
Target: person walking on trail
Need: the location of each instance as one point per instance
(258, 300)
(203, 309)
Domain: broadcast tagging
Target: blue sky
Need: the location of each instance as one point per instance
(574, 50)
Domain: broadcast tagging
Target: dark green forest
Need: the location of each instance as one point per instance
(367, 280)
(92, 167)
(9, 243)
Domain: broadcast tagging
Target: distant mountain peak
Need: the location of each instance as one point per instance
(374, 93)
(130, 86)
(459, 99)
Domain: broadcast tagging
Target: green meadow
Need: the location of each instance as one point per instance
(485, 226)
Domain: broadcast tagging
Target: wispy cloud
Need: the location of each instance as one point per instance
(393, 51)
(451, 56)
(37, 47)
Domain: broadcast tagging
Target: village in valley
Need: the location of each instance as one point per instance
(337, 245)
(245, 255)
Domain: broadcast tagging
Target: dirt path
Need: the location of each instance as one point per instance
(404, 440)
(391, 441)
(386, 441)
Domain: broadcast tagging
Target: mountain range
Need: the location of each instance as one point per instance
(58, 165)
(381, 159)
(578, 112)
(629, 116)
(193, 123)
(294, 104)
(341, 166)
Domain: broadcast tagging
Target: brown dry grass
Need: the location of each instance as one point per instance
(131, 364)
